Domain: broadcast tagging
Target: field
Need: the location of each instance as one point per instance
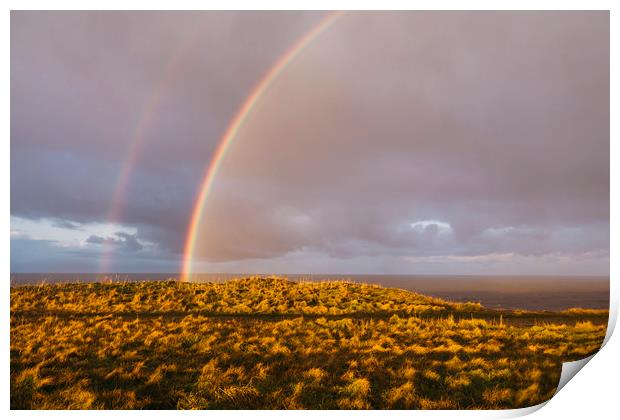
(271, 343)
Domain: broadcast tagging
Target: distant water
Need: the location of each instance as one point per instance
(551, 293)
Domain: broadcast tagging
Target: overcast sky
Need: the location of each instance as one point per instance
(410, 142)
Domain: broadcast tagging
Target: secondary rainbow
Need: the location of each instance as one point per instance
(236, 123)
(139, 135)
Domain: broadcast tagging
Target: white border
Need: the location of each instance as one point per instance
(592, 394)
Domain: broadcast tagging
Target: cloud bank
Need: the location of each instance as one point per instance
(396, 142)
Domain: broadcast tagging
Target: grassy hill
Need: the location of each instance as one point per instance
(272, 343)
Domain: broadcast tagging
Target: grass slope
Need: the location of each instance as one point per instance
(271, 343)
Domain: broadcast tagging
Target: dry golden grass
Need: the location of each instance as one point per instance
(270, 343)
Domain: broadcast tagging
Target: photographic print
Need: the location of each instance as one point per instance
(306, 209)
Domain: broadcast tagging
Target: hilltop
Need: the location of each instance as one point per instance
(252, 295)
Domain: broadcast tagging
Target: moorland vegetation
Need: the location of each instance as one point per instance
(272, 343)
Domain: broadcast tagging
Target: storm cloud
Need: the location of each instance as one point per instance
(394, 142)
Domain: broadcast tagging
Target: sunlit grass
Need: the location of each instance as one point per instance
(271, 343)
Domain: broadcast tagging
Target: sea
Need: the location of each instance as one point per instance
(550, 293)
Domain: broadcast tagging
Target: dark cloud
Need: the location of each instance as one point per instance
(498, 132)
(122, 240)
(65, 224)
(394, 138)
(95, 239)
(81, 82)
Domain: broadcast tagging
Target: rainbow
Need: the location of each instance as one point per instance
(140, 131)
(233, 128)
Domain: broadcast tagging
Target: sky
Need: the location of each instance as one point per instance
(392, 143)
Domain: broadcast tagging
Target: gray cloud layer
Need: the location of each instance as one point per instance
(80, 82)
(490, 128)
(494, 124)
